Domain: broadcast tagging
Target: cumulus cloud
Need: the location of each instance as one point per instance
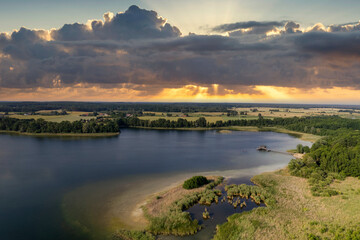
(135, 23)
(292, 27)
(140, 50)
(349, 27)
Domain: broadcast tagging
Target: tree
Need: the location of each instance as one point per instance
(300, 148)
(201, 122)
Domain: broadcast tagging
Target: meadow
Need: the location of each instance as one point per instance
(251, 113)
(212, 117)
(298, 214)
(71, 116)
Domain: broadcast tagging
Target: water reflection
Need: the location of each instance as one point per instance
(36, 173)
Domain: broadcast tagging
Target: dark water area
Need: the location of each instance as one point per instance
(35, 173)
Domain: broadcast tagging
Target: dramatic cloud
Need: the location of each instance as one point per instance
(246, 25)
(135, 23)
(292, 27)
(140, 54)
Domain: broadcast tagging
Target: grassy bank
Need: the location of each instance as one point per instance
(297, 214)
(61, 134)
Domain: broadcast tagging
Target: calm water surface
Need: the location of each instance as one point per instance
(36, 173)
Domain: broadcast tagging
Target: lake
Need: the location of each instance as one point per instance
(50, 185)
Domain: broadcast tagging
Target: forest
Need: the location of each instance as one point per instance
(42, 126)
(323, 125)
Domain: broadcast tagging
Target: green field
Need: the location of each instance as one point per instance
(211, 117)
(71, 116)
(267, 113)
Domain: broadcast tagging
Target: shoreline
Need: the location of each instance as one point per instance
(60, 134)
(123, 206)
(303, 136)
(137, 215)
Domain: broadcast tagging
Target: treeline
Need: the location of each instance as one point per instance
(152, 107)
(337, 154)
(324, 125)
(108, 107)
(42, 126)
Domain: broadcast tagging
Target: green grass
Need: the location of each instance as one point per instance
(133, 235)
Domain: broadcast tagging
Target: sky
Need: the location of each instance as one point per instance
(285, 51)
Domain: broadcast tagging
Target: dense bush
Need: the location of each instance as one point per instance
(195, 182)
(302, 149)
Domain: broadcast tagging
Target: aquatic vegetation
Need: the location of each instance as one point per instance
(178, 222)
(209, 196)
(256, 193)
(206, 214)
(213, 184)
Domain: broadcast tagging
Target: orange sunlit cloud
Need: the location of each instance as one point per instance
(188, 93)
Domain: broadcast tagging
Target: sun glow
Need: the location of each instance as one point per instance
(187, 93)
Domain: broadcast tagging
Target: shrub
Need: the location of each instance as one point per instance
(195, 182)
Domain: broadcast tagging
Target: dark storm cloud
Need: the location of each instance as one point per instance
(341, 44)
(139, 47)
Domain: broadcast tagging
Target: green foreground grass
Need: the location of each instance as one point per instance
(296, 213)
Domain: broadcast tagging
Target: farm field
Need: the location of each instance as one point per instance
(71, 116)
(212, 117)
(267, 113)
